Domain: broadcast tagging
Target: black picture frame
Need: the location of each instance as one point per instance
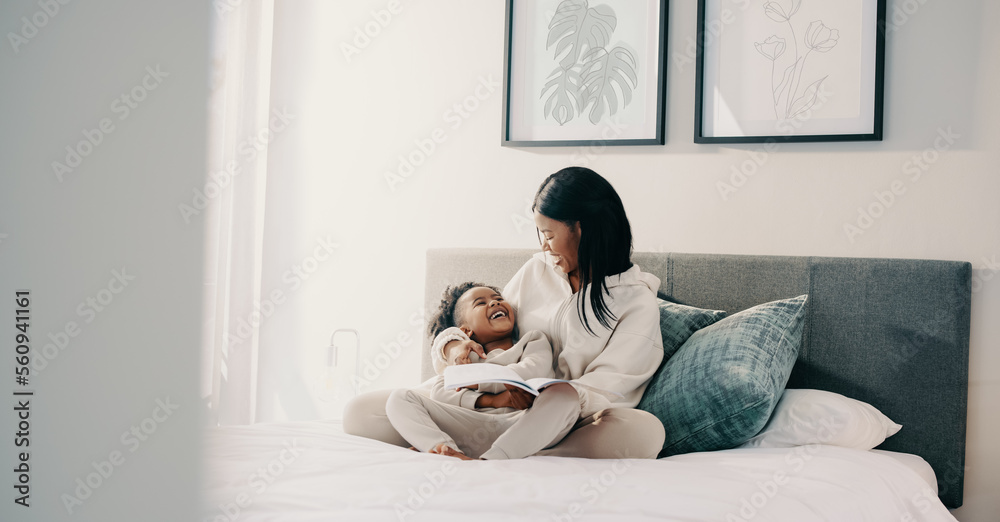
(517, 133)
(709, 34)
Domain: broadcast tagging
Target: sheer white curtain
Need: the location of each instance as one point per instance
(343, 248)
(232, 207)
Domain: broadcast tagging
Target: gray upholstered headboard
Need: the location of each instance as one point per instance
(891, 332)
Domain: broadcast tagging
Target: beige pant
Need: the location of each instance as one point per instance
(609, 434)
(494, 434)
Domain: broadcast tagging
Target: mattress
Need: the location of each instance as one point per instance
(312, 471)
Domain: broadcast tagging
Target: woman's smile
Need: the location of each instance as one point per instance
(559, 240)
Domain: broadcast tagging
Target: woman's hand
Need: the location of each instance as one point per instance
(458, 352)
(517, 398)
(513, 397)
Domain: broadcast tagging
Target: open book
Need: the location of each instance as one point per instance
(477, 373)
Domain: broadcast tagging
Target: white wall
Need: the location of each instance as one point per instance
(360, 112)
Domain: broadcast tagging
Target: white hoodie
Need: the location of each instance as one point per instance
(621, 359)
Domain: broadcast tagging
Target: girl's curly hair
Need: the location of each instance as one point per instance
(445, 316)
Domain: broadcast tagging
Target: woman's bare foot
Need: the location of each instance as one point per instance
(444, 449)
(414, 449)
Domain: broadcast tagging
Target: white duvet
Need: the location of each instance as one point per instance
(311, 471)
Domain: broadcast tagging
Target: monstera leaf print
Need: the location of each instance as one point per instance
(603, 71)
(588, 76)
(565, 98)
(576, 28)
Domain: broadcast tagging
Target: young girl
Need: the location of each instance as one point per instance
(489, 421)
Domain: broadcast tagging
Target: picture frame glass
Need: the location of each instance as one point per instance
(552, 46)
(790, 68)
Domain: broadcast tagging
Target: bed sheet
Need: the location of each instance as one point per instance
(915, 463)
(312, 471)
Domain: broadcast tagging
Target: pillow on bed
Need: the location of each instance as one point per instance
(821, 417)
(678, 322)
(720, 387)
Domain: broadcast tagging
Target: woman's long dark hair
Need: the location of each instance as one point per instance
(580, 194)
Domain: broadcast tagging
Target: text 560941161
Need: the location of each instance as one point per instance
(22, 396)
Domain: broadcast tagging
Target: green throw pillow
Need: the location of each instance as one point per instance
(720, 387)
(678, 322)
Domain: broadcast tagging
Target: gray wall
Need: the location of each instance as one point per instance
(136, 346)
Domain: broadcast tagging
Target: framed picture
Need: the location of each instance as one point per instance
(579, 72)
(789, 70)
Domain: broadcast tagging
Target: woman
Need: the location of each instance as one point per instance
(598, 309)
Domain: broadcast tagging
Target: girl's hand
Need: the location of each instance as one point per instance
(457, 352)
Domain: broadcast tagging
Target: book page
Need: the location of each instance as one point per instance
(466, 374)
(539, 383)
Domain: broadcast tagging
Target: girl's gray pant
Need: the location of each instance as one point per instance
(504, 433)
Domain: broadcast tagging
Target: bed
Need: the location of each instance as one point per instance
(892, 333)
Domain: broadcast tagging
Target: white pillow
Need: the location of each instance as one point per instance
(820, 417)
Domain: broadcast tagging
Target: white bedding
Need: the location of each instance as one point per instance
(311, 471)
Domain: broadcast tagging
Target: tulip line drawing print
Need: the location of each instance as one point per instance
(786, 97)
(592, 74)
